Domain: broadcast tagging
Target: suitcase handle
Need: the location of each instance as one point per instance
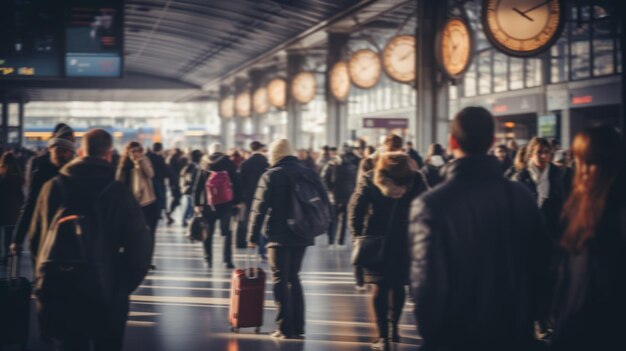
(249, 271)
(13, 267)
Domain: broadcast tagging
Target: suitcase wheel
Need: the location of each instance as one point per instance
(257, 330)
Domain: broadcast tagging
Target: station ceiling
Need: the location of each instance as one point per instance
(180, 46)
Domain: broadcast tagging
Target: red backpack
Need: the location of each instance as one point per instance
(219, 188)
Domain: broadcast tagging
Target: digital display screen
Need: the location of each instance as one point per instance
(61, 38)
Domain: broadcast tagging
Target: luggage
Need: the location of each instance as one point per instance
(15, 306)
(219, 188)
(198, 230)
(247, 297)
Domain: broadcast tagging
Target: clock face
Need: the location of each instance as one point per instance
(399, 58)
(365, 68)
(259, 101)
(454, 47)
(304, 87)
(522, 27)
(227, 107)
(340, 81)
(277, 92)
(242, 104)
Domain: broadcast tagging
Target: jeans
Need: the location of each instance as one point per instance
(188, 212)
(285, 263)
(222, 214)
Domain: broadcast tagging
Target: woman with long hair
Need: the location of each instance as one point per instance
(591, 294)
(12, 190)
(380, 207)
(135, 171)
(519, 163)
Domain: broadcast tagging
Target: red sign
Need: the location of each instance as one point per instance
(582, 100)
(500, 108)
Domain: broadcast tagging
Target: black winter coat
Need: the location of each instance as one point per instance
(41, 170)
(553, 205)
(339, 177)
(590, 301)
(12, 190)
(371, 213)
(433, 175)
(479, 260)
(272, 203)
(217, 162)
(251, 171)
(123, 224)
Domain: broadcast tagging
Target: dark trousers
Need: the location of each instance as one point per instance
(175, 200)
(341, 222)
(388, 303)
(223, 215)
(6, 237)
(285, 263)
(114, 344)
(151, 213)
(358, 275)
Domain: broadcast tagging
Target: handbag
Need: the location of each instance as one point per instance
(369, 250)
(198, 229)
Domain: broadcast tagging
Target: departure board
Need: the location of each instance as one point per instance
(61, 38)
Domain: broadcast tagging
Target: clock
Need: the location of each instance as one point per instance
(454, 47)
(304, 87)
(227, 107)
(340, 81)
(242, 104)
(277, 92)
(259, 101)
(365, 68)
(523, 27)
(399, 58)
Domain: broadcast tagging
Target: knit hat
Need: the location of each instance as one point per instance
(215, 147)
(279, 149)
(61, 143)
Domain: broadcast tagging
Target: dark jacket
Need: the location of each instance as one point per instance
(12, 190)
(161, 171)
(122, 219)
(415, 156)
(479, 260)
(251, 170)
(340, 175)
(552, 206)
(41, 170)
(590, 301)
(217, 162)
(272, 202)
(372, 213)
(433, 174)
(187, 178)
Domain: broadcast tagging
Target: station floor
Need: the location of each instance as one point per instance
(182, 305)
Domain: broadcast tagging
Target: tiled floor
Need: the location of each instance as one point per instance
(184, 306)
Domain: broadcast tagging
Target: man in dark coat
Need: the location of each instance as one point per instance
(217, 161)
(89, 182)
(339, 177)
(43, 168)
(414, 154)
(175, 163)
(251, 171)
(161, 172)
(270, 212)
(479, 250)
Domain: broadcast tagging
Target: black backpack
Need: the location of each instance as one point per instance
(310, 209)
(71, 285)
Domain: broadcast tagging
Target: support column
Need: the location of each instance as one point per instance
(241, 86)
(4, 130)
(294, 108)
(256, 81)
(336, 111)
(20, 127)
(432, 92)
(224, 122)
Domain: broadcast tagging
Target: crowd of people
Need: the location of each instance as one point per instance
(500, 245)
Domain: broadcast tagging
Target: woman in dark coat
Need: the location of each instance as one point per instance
(12, 190)
(591, 294)
(379, 206)
(434, 162)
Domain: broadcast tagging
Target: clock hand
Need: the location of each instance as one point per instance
(523, 14)
(537, 6)
(405, 56)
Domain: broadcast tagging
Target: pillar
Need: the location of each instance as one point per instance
(256, 81)
(295, 61)
(336, 111)
(4, 130)
(20, 127)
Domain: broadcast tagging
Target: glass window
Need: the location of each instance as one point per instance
(516, 73)
(559, 62)
(533, 72)
(469, 83)
(500, 61)
(580, 44)
(603, 43)
(484, 73)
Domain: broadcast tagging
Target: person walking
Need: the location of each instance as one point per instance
(216, 195)
(187, 179)
(12, 190)
(251, 171)
(60, 151)
(269, 218)
(479, 250)
(414, 154)
(175, 163)
(136, 172)
(161, 172)
(590, 305)
(434, 164)
(379, 207)
(87, 187)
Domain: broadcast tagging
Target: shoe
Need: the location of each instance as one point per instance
(277, 334)
(381, 344)
(185, 224)
(360, 287)
(153, 267)
(229, 265)
(170, 220)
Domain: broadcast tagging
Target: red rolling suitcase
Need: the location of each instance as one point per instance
(247, 297)
(14, 306)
